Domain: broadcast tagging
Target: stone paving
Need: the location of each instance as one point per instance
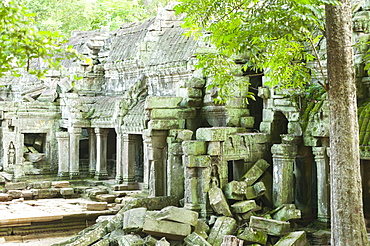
(33, 241)
(21, 212)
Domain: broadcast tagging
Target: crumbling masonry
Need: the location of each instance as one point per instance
(137, 111)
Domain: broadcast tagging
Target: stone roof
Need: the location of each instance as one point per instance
(126, 40)
(173, 46)
(134, 121)
(147, 43)
(103, 111)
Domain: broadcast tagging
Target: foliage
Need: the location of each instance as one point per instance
(83, 15)
(21, 42)
(367, 60)
(270, 35)
(224, 73)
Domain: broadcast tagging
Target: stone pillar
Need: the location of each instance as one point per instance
(101, 153)
(197, 171)
(128, 160)
(119, 158)
(155, 179)
(74, 152)
(19, 172)
(323, 185)
(63, 154)
(283, 156)
(92, 152)
(147, 148)
(175, 169)
(192, 184)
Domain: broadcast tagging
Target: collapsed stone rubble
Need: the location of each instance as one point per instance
(239, 217)
(143, 115)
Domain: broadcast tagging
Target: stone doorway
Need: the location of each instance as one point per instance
(34, 153)
(111, 153)
(279, 126)
(139, 158)
(236, 169)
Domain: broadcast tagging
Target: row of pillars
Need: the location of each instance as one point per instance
(69, 145)
(286, 166)
(68, 155)
(154, 147)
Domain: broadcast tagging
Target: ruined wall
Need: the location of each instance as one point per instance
(135, 109)
(138, 81)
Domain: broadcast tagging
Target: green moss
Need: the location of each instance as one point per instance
(306, 114)
(313, 102)
(313, 108)
(364, 123)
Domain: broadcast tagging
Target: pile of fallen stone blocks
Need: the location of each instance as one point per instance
(49, 189)
(242, 205)
(179, 226)
(36, 190)
(239, 218)
(96, 198)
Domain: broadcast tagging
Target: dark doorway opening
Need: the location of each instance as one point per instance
(111, 153)
(139, 158)
(279, 126)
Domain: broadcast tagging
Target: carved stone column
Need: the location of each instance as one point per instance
(155, 162)
(147, 147)
(92, 152)
(74, 152)
(119, 158)
(63, 154)
(191, 193)
(128, 164)
(175, 168)
(323, 185)
(283, 156)
(101, 153)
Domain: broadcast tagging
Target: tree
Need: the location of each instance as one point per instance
(348, 226)
(84, 15)
(21, 42)
(271, 36)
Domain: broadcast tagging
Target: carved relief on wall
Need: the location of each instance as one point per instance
(11, 154)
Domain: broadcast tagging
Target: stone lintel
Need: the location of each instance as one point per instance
(217, 133)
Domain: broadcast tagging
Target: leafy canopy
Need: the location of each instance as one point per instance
(21, 42)
(267, 35)
(84, 15)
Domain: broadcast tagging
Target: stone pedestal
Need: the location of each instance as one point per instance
(92, 152)
(63, 152)
(74, 155)
(283, 156)
(101, 153)
(19, 173)
(323, 185)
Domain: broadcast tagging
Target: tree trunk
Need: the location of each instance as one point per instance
(347, 225)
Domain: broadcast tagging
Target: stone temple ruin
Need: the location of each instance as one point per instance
(139, 113)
